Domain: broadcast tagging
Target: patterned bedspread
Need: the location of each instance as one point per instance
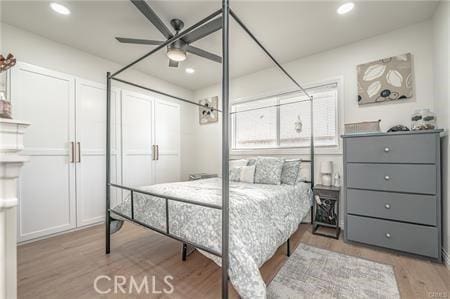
(262, 217)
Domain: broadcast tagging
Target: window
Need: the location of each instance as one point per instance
(283, 121)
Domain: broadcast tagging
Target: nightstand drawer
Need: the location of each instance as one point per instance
(411, 238)
(395, 206)
(392, 177)
(326, 193)
(420, 148)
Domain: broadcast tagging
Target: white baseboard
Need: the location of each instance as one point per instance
(59, 233)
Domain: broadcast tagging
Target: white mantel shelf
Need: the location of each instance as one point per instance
(11, 161)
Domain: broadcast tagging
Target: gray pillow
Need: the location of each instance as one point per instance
(291, 169)
(235, 174)
(268, 170)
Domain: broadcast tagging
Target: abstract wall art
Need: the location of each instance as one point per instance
(388, 79)
(208, 113)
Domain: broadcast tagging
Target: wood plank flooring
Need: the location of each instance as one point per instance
(66, 266)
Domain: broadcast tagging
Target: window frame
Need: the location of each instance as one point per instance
(320, 149)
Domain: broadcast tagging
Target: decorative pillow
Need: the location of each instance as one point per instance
(248, 174)
(268, 170)
(235, 174)
(304, 174)
(238, 163)
(289, 174)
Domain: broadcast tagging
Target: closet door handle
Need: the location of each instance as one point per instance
(157, 152)
(78, 153)
(153, 152)
(72, 152)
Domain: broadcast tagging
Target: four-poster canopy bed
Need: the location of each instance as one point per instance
(221, 252)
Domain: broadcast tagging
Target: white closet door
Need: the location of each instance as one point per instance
(167, 138)
(91, 145)
(136, 139)
(47, 183)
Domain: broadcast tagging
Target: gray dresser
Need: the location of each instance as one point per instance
(393, 191)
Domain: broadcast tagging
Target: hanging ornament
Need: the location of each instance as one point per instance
(298, 125)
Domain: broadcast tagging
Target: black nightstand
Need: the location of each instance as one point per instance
(326, 212)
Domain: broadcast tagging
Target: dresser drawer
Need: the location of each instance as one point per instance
(392, 177)
(396, 206)
(419, 148)
(411, 238)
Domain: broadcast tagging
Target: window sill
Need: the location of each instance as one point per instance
(332, 150)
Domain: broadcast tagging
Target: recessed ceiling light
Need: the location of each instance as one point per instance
(59, 8)
(345, 8)
(190, 70)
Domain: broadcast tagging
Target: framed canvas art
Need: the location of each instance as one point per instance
(388, 79)
(208, 113)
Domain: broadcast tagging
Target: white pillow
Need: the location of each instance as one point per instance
(238, 163)
(304, 175)
(248, 174)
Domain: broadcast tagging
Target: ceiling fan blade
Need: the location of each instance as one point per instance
(150, 14)
(139, 41)
(203, 31)
(173, 63)
(204, 54)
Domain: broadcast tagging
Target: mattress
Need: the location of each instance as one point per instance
(262, 217)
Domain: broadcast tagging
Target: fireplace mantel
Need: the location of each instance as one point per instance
(11, 161)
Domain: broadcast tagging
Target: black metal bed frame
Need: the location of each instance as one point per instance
(225, 11)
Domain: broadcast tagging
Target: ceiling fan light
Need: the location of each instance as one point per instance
(176, 54)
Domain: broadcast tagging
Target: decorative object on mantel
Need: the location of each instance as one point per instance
(362, 127)
(388, 79)
(5, 65)
(326, 169)
(208, 114)
(423, 119)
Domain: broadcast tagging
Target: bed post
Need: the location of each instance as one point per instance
(225, 148)
(108, 164)
(312, 153)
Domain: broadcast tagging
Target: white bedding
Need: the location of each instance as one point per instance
(262, 217)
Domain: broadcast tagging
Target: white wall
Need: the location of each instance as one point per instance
(339, 63)
(441, 65)
(34, 49)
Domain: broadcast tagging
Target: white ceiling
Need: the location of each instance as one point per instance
(289, 29)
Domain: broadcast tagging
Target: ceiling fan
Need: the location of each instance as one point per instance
(176, 51)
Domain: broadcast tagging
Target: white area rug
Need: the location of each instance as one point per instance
(311, 272)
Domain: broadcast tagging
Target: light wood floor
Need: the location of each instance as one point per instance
(66, 266)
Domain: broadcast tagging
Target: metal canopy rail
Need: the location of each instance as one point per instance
(225, 12)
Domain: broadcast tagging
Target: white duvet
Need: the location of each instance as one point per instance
(262, 217)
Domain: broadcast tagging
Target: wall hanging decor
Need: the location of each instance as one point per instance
(208, 114)
(388, 79)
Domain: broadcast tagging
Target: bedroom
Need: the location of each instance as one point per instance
(166, 126)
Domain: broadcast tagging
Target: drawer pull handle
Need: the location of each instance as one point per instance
(387, 206)
(386, 150)
(387, 178)
(388, 235)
